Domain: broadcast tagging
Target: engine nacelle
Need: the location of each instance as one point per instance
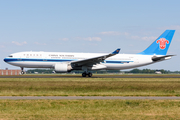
(62, 67)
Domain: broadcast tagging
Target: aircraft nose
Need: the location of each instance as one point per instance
(5, 59)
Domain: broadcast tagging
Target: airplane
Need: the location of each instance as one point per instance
(63, 62)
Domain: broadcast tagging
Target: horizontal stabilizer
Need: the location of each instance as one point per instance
(161, 58)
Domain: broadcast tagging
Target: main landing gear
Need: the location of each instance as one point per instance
(22, 71)
(84, 74)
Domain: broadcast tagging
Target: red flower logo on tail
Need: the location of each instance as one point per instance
(162, 43)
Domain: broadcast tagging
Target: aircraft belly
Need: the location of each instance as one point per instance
(125, 66)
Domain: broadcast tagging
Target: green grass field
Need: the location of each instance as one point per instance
(89, 87)
(89, 109)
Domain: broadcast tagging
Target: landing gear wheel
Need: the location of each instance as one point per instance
(22, 72)
(83, 74)
(89, 74)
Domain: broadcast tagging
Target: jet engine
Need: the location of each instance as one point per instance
(62, 67)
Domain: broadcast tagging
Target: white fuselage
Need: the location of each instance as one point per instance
(49, 59)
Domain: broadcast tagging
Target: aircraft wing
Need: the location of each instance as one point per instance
(95, 60)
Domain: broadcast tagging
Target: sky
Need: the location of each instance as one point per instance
(92, 26)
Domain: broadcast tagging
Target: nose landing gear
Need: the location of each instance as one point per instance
(22, 71)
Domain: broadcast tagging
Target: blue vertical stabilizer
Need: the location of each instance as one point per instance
(161, 45)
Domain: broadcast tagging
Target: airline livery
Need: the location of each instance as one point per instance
(63, 62)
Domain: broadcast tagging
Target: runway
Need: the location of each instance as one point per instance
(94, 76)
(84, 98)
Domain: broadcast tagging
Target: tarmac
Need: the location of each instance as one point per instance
(94, 76)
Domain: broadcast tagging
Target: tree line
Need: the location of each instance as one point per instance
(134, 71)
(148, 71)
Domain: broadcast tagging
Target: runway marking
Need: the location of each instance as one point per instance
(85, 97)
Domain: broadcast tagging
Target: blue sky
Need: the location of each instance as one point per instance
(88, 26)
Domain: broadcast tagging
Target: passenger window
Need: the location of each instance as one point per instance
(10, 56)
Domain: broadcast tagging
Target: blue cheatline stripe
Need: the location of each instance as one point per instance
(36, 60)
(56, 60)
(120, 62)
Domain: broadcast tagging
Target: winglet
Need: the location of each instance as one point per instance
(116, 51)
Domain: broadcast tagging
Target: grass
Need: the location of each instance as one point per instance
(89, 109)
(89, 87)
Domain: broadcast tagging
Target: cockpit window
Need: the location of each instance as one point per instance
(10, 56)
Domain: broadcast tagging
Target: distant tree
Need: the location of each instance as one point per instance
(164, 71)
(41, 71)
(48, 71)
(147, 71)
(135, 71)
